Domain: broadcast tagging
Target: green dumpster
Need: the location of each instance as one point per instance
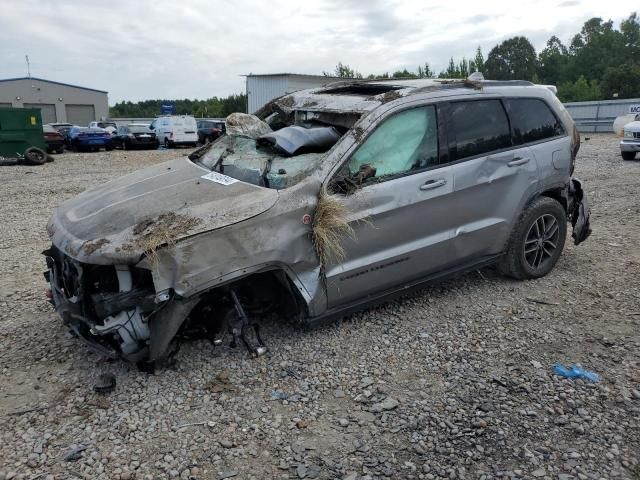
(21, 136)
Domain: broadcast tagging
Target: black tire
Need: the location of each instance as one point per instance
(124, 145)
(60, 149)
(167, 143)
(536, 241)
(628, 155)
(109, 148)
(34, 156)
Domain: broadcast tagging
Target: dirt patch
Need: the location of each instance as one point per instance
(152, 233)
(358, 133)
(92, 246)
(285, 102)
(390, 96)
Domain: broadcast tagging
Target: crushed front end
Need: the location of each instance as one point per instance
(109, 307)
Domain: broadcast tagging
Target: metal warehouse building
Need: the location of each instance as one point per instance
(58, 102)
(263, 88)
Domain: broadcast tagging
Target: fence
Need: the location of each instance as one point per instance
(595, 117)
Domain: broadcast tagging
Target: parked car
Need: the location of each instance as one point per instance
(85, 138)
(63, 128)
(209, 130)
(174, 130)
(110, 127)
(135, 136)
(53, 138)
(376, 189)
(630, 143)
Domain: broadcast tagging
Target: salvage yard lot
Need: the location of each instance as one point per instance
(454, 381)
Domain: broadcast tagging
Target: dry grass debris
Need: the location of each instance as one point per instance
(154, 233)
(329, 228)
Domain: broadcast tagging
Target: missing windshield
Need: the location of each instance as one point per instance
(277, 159)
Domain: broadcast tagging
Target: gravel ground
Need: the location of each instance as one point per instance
(452, 382)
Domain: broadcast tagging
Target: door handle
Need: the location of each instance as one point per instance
(518, 161)
(431, 184)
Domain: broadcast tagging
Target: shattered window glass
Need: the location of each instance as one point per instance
(405, 142)
(241, 158)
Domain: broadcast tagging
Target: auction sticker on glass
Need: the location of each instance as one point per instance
(219, 178)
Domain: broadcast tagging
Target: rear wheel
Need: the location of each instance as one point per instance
(60, 149)
(167, 143)
(628, 155)
(536, 241)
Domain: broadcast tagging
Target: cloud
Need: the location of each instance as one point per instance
(199, 49)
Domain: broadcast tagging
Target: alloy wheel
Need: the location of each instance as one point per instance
(541, 241)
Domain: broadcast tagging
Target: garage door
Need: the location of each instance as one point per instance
(80, 114)
(48, 111)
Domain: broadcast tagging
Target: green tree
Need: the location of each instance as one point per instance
(343, 71)
(622, 81)
(478, 61)
(552, 61)
(513, 59)
(425, 72)
(579, 91)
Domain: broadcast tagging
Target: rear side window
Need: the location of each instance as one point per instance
(478, 127)
(532, 120)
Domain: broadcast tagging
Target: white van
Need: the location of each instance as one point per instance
(172, 130)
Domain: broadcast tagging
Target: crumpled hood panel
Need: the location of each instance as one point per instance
(118, 221)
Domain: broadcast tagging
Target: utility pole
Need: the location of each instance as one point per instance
(26, 57)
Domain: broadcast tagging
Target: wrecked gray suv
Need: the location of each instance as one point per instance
(325, 201)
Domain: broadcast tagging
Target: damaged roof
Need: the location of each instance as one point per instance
(363, 96)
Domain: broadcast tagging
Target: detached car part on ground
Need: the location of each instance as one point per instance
(327, 201)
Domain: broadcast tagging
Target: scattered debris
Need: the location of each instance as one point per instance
(28, 410)
(74, 454)
(246, 125)
(542, 302)
(152, 233)
(279, 395)
(106, 383)
(575, 371)
(194, 424)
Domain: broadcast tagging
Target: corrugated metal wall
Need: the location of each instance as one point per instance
(593, 117)
(261, 90)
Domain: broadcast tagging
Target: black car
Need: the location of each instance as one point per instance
(135, 136)
(209, 130)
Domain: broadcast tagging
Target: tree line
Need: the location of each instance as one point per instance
(600, 62)
(214, 107)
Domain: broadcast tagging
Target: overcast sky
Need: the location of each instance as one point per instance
(140, 49)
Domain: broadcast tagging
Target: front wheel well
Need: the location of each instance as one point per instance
(262, 295)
